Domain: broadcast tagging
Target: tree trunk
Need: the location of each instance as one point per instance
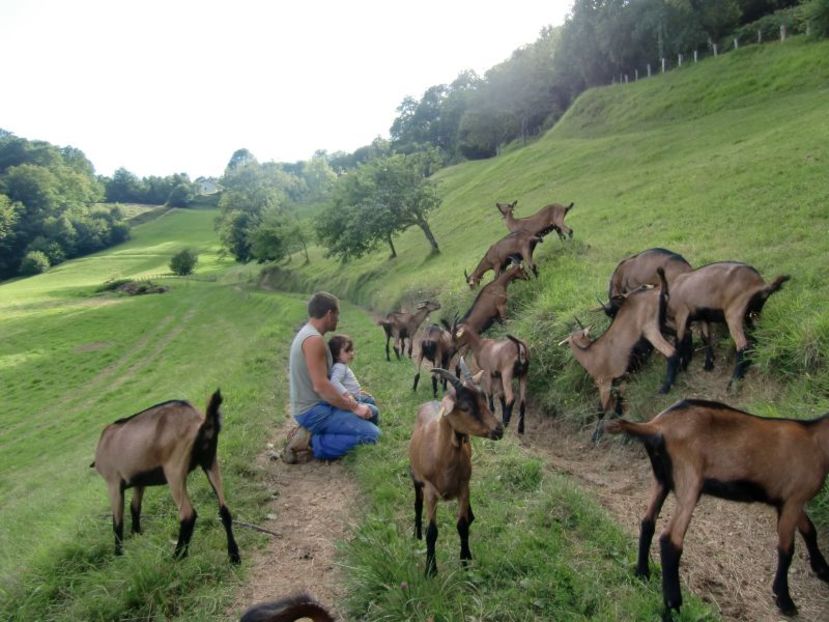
(424, 226)
(391, 246)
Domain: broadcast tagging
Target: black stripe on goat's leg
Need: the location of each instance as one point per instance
(671, 591)
(522, 407)
(135, 508)
(670, 374)
(788, 517)
(816, 559)
(185, 532)
(742, 364)
(418, 508)
(416, 380)
(388, 357)
(435, 386)
(463, 525)
(431, 539)
(215, 479)
(647, 527)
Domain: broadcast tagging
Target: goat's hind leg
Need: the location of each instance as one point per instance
(116, 500)
(647, 527)
(418, 506)
(215, 478)
(186, 513)
(431, 531)
(816, 559)
(672, 539)
(465, 519)
(788, 517)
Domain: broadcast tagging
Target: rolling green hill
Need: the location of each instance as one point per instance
(723, 160)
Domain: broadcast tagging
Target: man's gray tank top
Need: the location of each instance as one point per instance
(303, 395)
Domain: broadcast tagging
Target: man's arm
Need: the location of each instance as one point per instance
(313, 348)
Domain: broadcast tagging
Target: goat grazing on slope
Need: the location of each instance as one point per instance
(548, 218)
(491, 302)
(609, 357)
(161, 445)
(513, 247)
(440, 455)
(291, 609)
(501, 361)
(698, 447)
(725, 291)
(437, 347)
(640, 269)
(402, 325)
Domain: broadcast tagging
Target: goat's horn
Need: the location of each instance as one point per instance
(465, 275)
(465, 373)
(605, 308)
(578, 322)
(447, 375)
(563, 341)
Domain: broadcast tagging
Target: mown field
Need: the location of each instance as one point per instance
(723, 160)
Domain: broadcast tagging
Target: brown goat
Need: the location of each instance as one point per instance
(161, 445)
(291, 609)
(501, 361)
(548, 218)
(491, 302)
(608, 358)
(640, 269)
(440, 455)
(698, 447)
(437, 347)
(726, 291)
(402, 325)
(513, 247)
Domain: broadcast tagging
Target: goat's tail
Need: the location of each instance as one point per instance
(569, 207)
(758, 300)
(207, 438)
(641, 431)
(522, 363)
(386, 326)
(92, 466)
(429, 349)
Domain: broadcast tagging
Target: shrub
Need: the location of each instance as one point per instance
(184, 262)
(34, 262)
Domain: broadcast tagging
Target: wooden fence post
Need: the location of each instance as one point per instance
(649, 70)
(759, 36)
(782, 32)
(679, 60)
(695, 56)
(663, 65)
(736, 43)
(635, 75)
(714, 45)
(626, 78)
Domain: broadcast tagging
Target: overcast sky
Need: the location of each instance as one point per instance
(168, 86)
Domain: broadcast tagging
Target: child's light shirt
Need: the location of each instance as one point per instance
(344, 379)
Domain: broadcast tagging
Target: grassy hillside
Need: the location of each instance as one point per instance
(723, 160)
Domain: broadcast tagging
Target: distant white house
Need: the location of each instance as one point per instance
(207, 185)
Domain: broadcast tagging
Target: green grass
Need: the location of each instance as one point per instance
(722, 160)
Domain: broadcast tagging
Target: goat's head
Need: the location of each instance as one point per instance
(465, 405)
(506, 209)
(579, 337)
(472, 281)
(430, 305)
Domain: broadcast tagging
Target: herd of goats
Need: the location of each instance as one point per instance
(695, 446)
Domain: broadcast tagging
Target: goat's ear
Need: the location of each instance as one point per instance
(447, 404)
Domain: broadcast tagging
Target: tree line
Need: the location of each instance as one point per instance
(49, 207)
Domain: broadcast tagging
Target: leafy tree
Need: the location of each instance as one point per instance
(376, 202)
(181, 196)
(816, 13)
(184, 262)
(124, 187)
(35, 262)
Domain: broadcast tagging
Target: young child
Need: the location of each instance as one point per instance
(341, 376)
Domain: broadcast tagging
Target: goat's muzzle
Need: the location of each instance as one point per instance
(497, 433)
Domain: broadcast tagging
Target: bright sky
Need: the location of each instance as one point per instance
(169, 86)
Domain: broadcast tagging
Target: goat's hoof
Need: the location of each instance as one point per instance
(786, 606)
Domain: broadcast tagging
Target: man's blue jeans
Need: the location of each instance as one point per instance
(334, 432)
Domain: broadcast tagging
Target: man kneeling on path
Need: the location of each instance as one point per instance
(332, 422)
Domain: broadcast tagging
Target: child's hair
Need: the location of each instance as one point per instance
(338, 343)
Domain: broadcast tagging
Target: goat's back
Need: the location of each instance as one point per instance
(716, 286)
(147, 440)
(641, 269)
(722, 444)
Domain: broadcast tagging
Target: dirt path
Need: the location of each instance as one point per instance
(730, 550)
(311, 507)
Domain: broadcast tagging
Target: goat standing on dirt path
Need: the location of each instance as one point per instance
(512, 248)
(157, 446)
(501, 361)
(548, 218)
(610, 356)
(698, 447)
(491, 302)
(440, 456)
(437, 347)
(402, 325)
(725, 291)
